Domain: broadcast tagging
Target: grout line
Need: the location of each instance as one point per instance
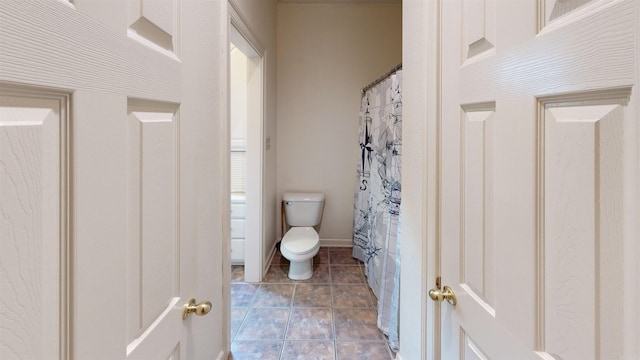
(286, 327)
(241, 323)
(331, 284)
(333, 317)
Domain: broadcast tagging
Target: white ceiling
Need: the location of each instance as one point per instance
(338, 1)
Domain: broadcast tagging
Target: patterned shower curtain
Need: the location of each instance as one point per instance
(376, 239)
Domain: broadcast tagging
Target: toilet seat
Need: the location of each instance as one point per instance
(300, 241)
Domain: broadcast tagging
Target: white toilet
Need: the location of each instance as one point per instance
(301, 243)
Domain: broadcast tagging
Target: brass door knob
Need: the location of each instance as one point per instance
(445, 293)
(200, 309)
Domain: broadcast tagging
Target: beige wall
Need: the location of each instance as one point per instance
(326, 54)
(260, 17)
(238, 95)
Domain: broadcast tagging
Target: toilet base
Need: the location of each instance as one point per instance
(301, 270)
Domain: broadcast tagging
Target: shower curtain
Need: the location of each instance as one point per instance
(376, 240)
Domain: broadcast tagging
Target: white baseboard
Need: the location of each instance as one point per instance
(336, 242)
(267, 263)
(328, 243)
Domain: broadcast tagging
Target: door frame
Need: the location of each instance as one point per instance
(254, 223)
(434, 171)
(419, 316)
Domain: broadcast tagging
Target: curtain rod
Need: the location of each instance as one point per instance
(382, 78)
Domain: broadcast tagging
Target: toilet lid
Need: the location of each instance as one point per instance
(300, 240)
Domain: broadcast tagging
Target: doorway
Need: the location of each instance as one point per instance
(246, 152)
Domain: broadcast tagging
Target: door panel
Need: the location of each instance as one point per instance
(153, 246)
(154, 23)
(538, 157)
(583, 222)
(33, 148)
(471, 349)
(477, 201)
(479, 33)
(554, 9)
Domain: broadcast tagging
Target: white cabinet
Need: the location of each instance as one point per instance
(237, 228)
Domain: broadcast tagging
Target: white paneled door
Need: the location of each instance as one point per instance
(539, 179)
(103, 113)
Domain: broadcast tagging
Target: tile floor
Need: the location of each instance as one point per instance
(330, 316)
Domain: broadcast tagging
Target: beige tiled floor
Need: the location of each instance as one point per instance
(330, 316)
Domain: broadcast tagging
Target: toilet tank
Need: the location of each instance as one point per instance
(303, 209)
